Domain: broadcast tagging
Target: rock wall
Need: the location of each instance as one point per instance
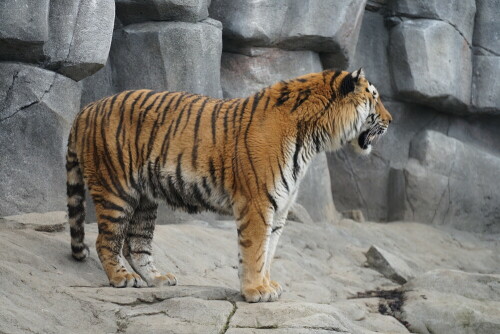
(45, 48)
(434, 62)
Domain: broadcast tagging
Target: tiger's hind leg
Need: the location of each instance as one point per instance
(113, 216)
(138, 248)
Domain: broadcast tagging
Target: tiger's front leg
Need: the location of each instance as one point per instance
(254, 230)
(276, 230)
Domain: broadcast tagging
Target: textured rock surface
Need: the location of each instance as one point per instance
(486, 87)
(252, 69)
(487, 27)
(80, 36)
(23, 29)
(364, 182)
(36, 111)
(315, 193)
(175, 56)
(98, 85)
(320, 266)
(71, 38)
(431, 64)
(458, 13)
(133, 11)
(292, 24)
(55, 221)
(451, 183)
(449, 301)
(371, 53)
(388, 265)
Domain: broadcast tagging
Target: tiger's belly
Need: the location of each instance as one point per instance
(194, 194)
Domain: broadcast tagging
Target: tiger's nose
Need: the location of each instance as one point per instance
(390, 121)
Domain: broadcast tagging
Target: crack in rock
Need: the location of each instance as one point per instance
(229, 317)
(38, 100)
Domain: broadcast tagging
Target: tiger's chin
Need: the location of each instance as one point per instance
(363, 144)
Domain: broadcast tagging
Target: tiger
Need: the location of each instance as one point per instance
(243, 156)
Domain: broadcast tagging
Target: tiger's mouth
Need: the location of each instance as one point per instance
(366, 139)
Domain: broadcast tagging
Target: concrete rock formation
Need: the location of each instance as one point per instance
(435, 63)
(321, 267)
(37, 108)
(178, 56)
(133, 11)
(328, 26)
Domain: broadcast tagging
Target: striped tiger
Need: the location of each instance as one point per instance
(243, 157)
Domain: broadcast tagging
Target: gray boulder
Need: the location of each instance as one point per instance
(134, 11)
(315, 191)
(431, 64)
(452, 183)
(450, 301)
(72, 38)
(252, 69)
(177, 56)
(292, 24)
(98, 85)
(487, 27)
(37, 108)
(458, 13)
(485, 84)
(389, 265)
(371, 53)
(80, 36)
(24, 27)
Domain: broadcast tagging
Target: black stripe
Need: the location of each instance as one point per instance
(118, 220)
(194, 152)
(303, 96)
(283, 180)
(141, 252)
(118, 131)
(284, 95)
(189, 111)
(211, 169)
(206, 187)
(74, 210)
(276, 228)
(75, 189)
(298, 146)
(71, 164)
(256, 99)
(226, 116)
(347, 85)
(215, 113)
(273, 201)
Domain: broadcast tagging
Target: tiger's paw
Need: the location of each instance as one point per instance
(277, 287)
(261, 293)
(159, 280)
(126, 279)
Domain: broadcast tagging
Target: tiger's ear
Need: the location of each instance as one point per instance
(358, 74)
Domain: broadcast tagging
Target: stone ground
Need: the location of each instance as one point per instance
(453, 281)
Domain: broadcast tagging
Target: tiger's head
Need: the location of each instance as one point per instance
(373, 117)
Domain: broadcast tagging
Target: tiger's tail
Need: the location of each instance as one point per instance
(76, 205)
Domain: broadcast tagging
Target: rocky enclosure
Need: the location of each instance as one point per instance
(436, 64)
(338, 278)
